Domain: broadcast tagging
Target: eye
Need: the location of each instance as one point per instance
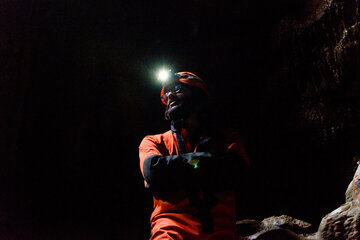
(178, 88)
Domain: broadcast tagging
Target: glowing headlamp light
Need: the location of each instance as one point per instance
(163, 75)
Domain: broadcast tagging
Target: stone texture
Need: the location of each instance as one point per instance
(325, 53)
(275, 227)
(342, 223)
(352, 192)
(287, 222)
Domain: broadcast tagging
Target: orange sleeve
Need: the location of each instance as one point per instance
(148, 147)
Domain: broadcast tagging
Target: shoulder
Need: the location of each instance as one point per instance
(163, 143)
(156, 139)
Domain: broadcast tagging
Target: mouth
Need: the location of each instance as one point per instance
(172, 104)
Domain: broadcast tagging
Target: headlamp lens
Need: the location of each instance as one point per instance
(163, 75)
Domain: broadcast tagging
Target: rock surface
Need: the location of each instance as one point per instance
(276, 227)
(287, 222)
(325, 46)
(342, 223)
(353, 190)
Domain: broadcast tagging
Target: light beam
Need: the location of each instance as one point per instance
(163, 75)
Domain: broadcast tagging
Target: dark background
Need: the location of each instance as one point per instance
(78, 93)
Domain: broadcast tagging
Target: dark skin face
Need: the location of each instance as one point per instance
(179, 104)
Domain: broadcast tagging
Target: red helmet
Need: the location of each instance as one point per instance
(186, 78)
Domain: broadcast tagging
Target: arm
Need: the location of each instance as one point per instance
(164, 173)
(229, 165)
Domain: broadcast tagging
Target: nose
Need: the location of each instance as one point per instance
(170, 96)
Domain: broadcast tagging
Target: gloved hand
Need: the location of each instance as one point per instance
(212, 145)
(165, 173)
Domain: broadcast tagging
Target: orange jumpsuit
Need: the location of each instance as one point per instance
(177, 219)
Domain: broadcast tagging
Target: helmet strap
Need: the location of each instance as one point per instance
(176, 127)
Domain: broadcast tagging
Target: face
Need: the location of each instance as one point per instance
(178, 102)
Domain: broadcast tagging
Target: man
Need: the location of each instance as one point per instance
(192, 168)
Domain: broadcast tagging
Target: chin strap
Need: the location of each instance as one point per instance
(176, 127)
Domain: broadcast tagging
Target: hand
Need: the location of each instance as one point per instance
(211, 145)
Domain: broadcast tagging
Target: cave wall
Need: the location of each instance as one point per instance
(309, 107)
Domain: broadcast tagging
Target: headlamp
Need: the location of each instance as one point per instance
(163, 75)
